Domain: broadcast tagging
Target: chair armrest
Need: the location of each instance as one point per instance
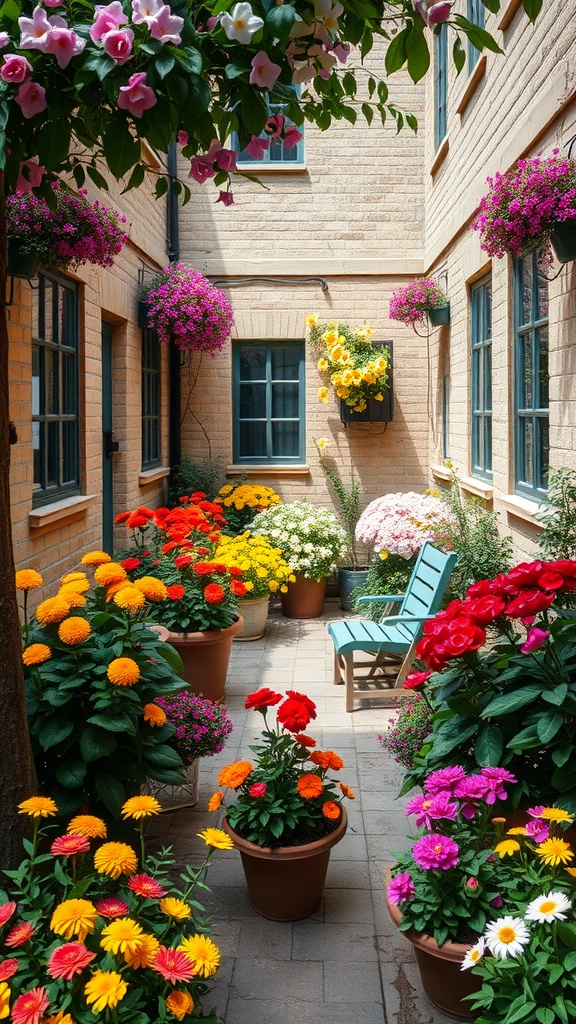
(382, 598)
(387, 619)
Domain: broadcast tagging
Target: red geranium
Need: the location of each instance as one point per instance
(264, 698)
(296, 711)
(130, 563)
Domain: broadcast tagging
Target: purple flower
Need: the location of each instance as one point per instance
(435, 851)
(428, 809)
(537, 830)
(495, 778)
(444, 778)
(535, 639)
(401, 888)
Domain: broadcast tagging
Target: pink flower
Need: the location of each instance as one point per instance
(472, 883)
(29, 1007)
(145, 885)
(31, 98)
(69, 845)
(19, 934)
(497, 902)
(53, 3)
(15, 69)
(112, 907)
(535, 639)
(34, 31)
(257, 147)
(4, 40)
(444, 778)
(275, 125)
(291, 137)
(201, 169)
(136, 97)
(435, 851)
(495, 778)
(537, 830)
(401, 888)
(8, 968)
(107, 19)
(118, 44)
(173, 965)
(536, 812)
(264, 72)
(6, 911)
(145, 12)
(257, 789)
(226, 198)
(30, 176)
(68, 960)
(432, 808)
(182, 138)
(166, 27)
(225, 159)
(415, 680)
(64, 44)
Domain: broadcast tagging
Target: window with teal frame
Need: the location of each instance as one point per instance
(531, 444)
(55, 405)
(481, 382)
(475, 14)
(151, 398)
(441, 85)
(268, 402)
(276, 154)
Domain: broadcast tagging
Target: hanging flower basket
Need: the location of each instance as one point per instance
(411, 303)
(358, 368)
(21, 264)
(182, 306)
(563, 241)
(439, 316)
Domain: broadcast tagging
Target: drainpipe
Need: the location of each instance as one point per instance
(173, 245)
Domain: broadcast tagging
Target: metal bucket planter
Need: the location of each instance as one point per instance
(439, 316)
(563, 241)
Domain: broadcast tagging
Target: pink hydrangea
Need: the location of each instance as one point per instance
(435, 852)
(400, 523)
(401, 888)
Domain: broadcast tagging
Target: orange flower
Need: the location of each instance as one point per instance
(74, 630)
(154, 715)
(331, 810)
(310, 786)
(347, 791)
(95, 558)
(109, 573)
(233, 775)
(53, 609)
(327, 759)
(28, 579)
(180, 1003)
(36, 654)
(215, 801)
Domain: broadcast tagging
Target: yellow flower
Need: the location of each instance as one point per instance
(95, 558)
(153, 589)
(105, 989)
(516, 832)
(72, 597)
(54, 609)
(123, 672)
(28, 579)
(365, 333)
(154, 715)
(38, 807)
(115, 859)
(555, 814)
(180, 1003)
(448, 463)
(323, 394)
(330, 337)
(74, 917)
(378, 397)
(110, 573)
(130, 598)
(217, 838)
(554, 852)
(4, 1000)
(144, 951)
(226, 489)
(36, 654)
(507, 847)
(383, 554)
(204, 954)
(336, 352)
(141, 806)
(76, 581)
(322, 443)
(175, 908)
(74, 630)
(88, 825)
(322, 364)
(121, 935)
(74, 577)
(59, 1018)
(342, 392)
(312, 320)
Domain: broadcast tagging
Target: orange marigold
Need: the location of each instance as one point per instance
(28, 579)
(310, 785)
(154, 715)
(74, 630)
(72, 597)
(110, 573)
(215, 801)
(76, 581)
(331, 810)
(73, 577)
(53, 609)
(153, 589)
(180, 1004)
(95, 558)
(123, 672)
(36, 654)
(233, 775)
(347, 791)
(129, 598)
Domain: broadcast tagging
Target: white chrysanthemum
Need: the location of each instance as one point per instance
(507, 936)
(474, 954)
(548, 908)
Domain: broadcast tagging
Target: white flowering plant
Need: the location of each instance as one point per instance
(311, 539)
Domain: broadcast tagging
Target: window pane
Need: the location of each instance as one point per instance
(253, 363)
(68, 385)
(252, 401)
(51, 382)
(285, 362)
(528, 451)
(69, 451)
(526, 288)
(285, 400)
(36, 443)
(488, 309)
(526, 372)
(542, 343)
(544, 444)
(253, 440)
(36, 359)
(487, 380)
(542, 296)
(285, 440)
(488, 444)
(52, 454)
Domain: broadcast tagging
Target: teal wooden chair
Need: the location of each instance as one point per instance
(391, 641)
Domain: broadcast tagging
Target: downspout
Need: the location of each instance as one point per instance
(173, 246)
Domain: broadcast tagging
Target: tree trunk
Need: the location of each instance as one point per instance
(17, 776)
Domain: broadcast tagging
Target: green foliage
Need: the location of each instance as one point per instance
(407, 732)
(473, 534)
(558, 538)
(389, 575)
(349, 500)
(207, 475)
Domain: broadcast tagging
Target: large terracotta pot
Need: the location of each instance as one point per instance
(205, 656)
(286, 883)
(443, 981)
(304, 598)
(254, 613)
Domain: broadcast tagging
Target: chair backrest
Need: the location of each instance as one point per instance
(427, 584)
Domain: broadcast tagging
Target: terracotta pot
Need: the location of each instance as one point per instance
(254, 613)
(286, 883)
(304, 598)
(443, 981)
(205, 656)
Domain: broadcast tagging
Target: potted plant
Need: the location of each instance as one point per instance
(313, 543)
(532, 205)
(288, 811)
(420, 298)
(358, 369)
(77, 231)
(409, 728)
(182, 306)
(242, 502)
(265, 572)
(399, 523)
(92, 928)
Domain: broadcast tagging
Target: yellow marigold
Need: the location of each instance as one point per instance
(72, 597)
(28, 579)
(144, 951)
(36, 654)
(74, 577)
(38, 807)
(115, 859)
(378, 397)
(95, 558)
(322, 364)
(180, 1004)
(110, 573)
(121, 935)
(233, 775)
(175, 908)
(129, 598)
(74, 630)
(77, 581)
(105, 989)
(88, 825)
(204, 954)
(74, 918)
(226, 489)
(153, 589)
(123, 672)
(507, 848)
(216, 838)
(554, 852)
(555, 814)
(312, 320)
(53, 609)
(141, 806)
(215, 801)
(154, 715)
(323, 394)
(4, 1000)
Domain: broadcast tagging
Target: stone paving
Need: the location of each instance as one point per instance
(346, 963)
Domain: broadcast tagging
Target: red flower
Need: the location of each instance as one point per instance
(6, 911)
(296, 711)
(257, 789)
(182, 561)
(30, 1006)
(19, 934)
(264, 698)
(214, 593)
(145, 885)
(175, 591)
(136, 521)
(203, 568)
(68, 960)
(8, 968)
(168, 547)
(238, 588)
(130, 563)
(234, 570)
(173, 965)
(69, 845)
(485, 609)
(112, 907)
(304, 741)
(529, 602)
(415, 680)
(464, 636)
(203, 551)
(122, 517)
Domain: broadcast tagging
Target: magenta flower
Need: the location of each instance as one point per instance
(435, 852)
(63, 43)
(411, 301)
(201, 169)
(444, 779)
(275, 126)
(107, 19)
(30, 176)
(495, 778)
(258, 789)
(136, 97)
(401, 888)
(227, 198)
(118, 44)
(31, 98)
(535, 639)
(15, 69)
(166, 27)
(291, 137)
(537, 830)
(257, 147)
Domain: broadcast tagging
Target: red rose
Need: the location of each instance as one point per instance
(485, 609)
(415, 680)
(526, 574)
(264, 698)
(214, 593)
(175, 591)
(183, 561)
(529, 602)
(130, 563)
(464, 637)
(431, 652)
(565, 566)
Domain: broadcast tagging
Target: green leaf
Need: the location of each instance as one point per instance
(479, 37)
(417, 53)
(532, 8)
(526, 738)
(53, 144)
(71, 773)
(115, 722)
(368, 112)
(489, 745)
(55, 730)
(161, 187)
(163, 756)
(136, 178)
(570, 962)
(396, 55)
(96, 744)
(234, 69)
(164, 63)
(522, 1011)
(548, 725)
(557, 695)
(458, 54)
(506, 703)
(111, 793)
(121, 149)
(280, 20)
(562, 754)
(492, 5)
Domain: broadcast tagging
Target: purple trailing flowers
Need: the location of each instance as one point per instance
(201, 725)
(185, 308)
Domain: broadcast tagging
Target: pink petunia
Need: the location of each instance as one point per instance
(435, 852)
(68, 960)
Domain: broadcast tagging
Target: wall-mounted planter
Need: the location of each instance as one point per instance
(563, 241)
(21, 264)
(375, 412)
(142, 314)
(439, 316)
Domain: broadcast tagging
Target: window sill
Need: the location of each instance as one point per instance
(259, 169)
(478, 73)
(440, 157)
(47, 515)
(441, 473)
(507, 15)
(522, 508)
(479, 488)
(253, 470)
(151, 476)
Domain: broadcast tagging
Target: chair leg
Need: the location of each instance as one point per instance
(349, 666)
(338, 678)
(406, 666)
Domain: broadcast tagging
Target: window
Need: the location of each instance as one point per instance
(475, 14)
(276, 154)
(151, 384)
(531, 376)
(481, 383)
(445, 414)
(268, 402)
(441, 85)
(55, 427)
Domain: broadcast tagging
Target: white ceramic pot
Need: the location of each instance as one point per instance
(254, 611)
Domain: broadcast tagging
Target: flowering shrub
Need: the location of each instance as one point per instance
(400, 523)
(357, 370)
(523, 205)
(201, 726)
(89, 930)
(77, 231)
(243, 502)
(406, 732)
(183, 307)
(287, 795)
(412, 301)
(264, 569)
(311, 539)
(92, 671)
(349, 500)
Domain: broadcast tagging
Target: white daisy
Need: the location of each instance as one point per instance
(474, 954)
(507, 936)
(548, 908)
